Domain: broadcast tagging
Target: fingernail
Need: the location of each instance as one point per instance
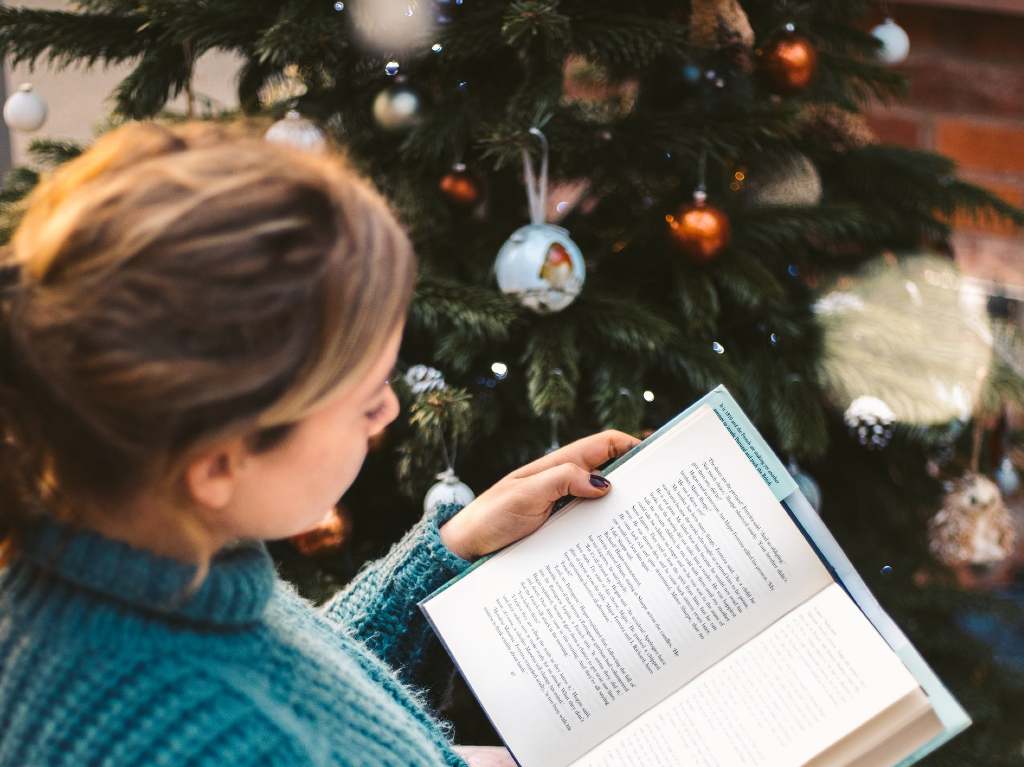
(598, 481)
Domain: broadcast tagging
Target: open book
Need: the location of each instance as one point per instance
(699, 614)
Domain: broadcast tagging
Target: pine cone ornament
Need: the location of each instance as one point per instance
(973, 527)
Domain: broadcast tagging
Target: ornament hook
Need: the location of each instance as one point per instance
(537, 188)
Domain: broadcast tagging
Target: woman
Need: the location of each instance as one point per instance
(196, 335)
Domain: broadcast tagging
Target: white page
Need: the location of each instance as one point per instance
(816, 675)
(573, 632)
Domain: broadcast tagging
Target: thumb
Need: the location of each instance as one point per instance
(567, 479)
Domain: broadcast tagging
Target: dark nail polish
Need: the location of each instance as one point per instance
(598, 481)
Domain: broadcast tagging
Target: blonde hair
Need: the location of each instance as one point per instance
(174, 286)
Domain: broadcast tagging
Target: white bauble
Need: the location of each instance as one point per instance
(396, 108)
(295, 130)
(25, 110)
(541, 267)
(895, 42)
(448, 489)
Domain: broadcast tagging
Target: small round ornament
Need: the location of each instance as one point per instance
(448, 489)
(541, 266)
(700, 230)
(807, 485)
(25, 110)
(331, 533)
(422, 379)
(895, 42)
(870, 421)
(295, 130)
(973, 527)
(397, 107)
(1007, 476)
(459, 187)
(789, 62)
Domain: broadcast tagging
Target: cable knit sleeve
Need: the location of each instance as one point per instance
(379, 606)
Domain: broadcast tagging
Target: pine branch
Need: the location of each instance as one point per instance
(61, 38)
(552, 367)
(53, 151)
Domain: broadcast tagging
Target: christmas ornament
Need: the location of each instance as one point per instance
(295, 130)
(807, 485)
(787, 179)
(1007, 476)
(895, 42)
(973, 527)
(841, 129)
(599, 96)
(539, 264)
(789, 62)
(422, 379)
(944, 337)
(871, 421)
(718, 24)
(397, 107)
(25, 110)
(448, 489)
(331, 533)
(459, 187)
(700, 230)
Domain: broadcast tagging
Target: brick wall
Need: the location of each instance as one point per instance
(966, 101)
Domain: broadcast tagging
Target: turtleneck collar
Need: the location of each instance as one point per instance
(235, 591)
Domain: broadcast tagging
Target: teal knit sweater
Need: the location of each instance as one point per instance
(100, 665)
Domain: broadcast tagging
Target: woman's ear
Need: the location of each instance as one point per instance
(212, 477)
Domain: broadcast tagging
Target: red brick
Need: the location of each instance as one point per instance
(980, 145)
(946, 84)
(984, 36)
(901, 129)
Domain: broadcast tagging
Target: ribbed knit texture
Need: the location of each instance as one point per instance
(102, 662)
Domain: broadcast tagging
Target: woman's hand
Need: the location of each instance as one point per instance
(520, 502)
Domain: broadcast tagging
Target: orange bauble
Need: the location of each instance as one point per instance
(701, 230)
(459, 187)
(789, 63)
(330, 534)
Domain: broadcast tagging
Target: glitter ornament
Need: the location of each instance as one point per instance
(973, 527)
(422, 379)
(295, 130)
(448, 489)
(459, 187)
(700, 230)
(788, 64)
(788, 179)
(895, 42)
(870, 421)
(330, 534)
(539, 264)
(397, 108)
(25, 110)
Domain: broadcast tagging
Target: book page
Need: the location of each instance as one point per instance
(615, 603)
(817, 674)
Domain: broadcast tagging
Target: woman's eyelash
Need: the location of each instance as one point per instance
(376, 411)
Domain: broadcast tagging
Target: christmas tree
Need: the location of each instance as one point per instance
(724, 213)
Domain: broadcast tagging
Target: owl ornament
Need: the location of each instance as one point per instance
(973, 527)
(539, 264)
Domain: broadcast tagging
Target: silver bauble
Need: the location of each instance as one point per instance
(1007, 476)
(25, 110)
(895, 42)
(541, 267)
(807, 485)
(396, 108)
(295, 130)
(448, 489)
